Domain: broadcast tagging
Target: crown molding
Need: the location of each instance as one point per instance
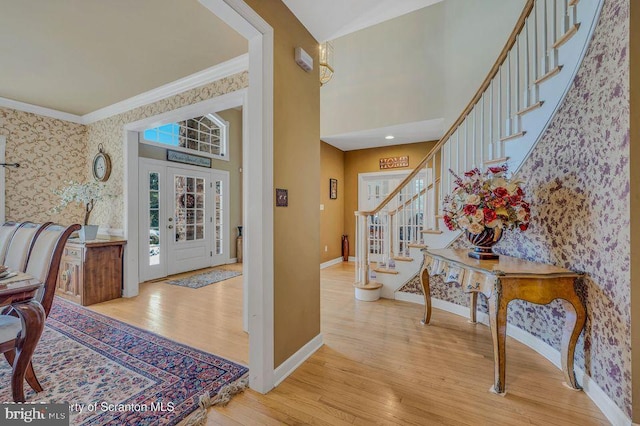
(35, 109)
(216, 72)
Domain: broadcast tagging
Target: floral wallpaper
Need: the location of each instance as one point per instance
(577, 179)
(50, 152)
(109, 133)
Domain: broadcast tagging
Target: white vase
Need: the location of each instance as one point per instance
(88, 232)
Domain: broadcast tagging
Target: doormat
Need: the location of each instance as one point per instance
(205, 278)
(113, 373)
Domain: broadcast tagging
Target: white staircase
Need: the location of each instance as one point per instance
(501, 124)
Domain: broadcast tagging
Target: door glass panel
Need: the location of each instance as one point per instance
(154, 219)
(218, 217)
(189, 199)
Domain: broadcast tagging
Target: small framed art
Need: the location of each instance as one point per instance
(333, 188)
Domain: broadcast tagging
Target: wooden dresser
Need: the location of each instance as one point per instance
(91, 271)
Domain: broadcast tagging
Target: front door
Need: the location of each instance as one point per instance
(183, 219)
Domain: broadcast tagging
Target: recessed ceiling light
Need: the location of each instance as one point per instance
(389, 137)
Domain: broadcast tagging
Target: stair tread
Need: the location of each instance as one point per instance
(530, 108)
(386, 271)
(513, 136)
(548, 75)
(497, 161)
(431, 231)
(403, 258)
(371, 286)
(420, 246)
(566, 36)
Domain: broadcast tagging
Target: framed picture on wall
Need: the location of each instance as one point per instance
(333, 188)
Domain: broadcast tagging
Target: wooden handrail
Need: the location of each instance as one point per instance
(528, 8)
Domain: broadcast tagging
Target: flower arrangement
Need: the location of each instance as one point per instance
(486, 200)
(87, 194)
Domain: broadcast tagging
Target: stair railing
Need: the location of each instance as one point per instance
(476, 139)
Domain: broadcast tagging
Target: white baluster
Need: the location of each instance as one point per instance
(554, 35)
(482, 135)
(545, 39)
(491, 122)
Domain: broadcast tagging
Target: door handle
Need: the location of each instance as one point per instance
(170, 226)
(170, 219)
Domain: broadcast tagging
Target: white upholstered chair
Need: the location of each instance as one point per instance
(43, 263)
(20, 245)
(6, 233)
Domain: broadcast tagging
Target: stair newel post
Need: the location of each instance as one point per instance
(360, 242)
(367, 268)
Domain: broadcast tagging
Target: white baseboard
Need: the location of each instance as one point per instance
(232, 260)
(294, 361)
(409, 297)
(332, 262)
(609, 408)
(352, 258)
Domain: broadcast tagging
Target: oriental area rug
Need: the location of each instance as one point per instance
(112, 373)
(205, 278)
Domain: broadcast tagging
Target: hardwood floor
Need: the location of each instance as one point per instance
(379, 365)
(208, 318)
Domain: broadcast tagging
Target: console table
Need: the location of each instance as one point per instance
(502, 281)
(91, 271)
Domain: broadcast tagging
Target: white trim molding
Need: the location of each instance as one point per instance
(216, 72)
(209, 75)
(331, 262)
(609, 408)
(45, 112)
(294, 361)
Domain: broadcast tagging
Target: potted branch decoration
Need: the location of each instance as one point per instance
(482, 205)
(86, 194)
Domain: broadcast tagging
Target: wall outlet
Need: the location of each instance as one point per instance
(326, 248)
(321, 206)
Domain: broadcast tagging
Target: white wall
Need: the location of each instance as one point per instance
(420, 66)
(474, 34)
(387, 74)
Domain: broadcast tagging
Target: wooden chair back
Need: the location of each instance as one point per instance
(20, 245)
(6, 233)
(44, 260)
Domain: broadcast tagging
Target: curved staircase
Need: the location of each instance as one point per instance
(501, 124)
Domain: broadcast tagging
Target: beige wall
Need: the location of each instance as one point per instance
(390, 73)
(332, 217)
(50, 152)
(368, 160)
(233, 166)
(296, 168)
(110, 133)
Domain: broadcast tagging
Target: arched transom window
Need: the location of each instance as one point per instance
(205, 135)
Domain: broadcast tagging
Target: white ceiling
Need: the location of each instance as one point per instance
(330, 19)
(78, 56)
(419, 131)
